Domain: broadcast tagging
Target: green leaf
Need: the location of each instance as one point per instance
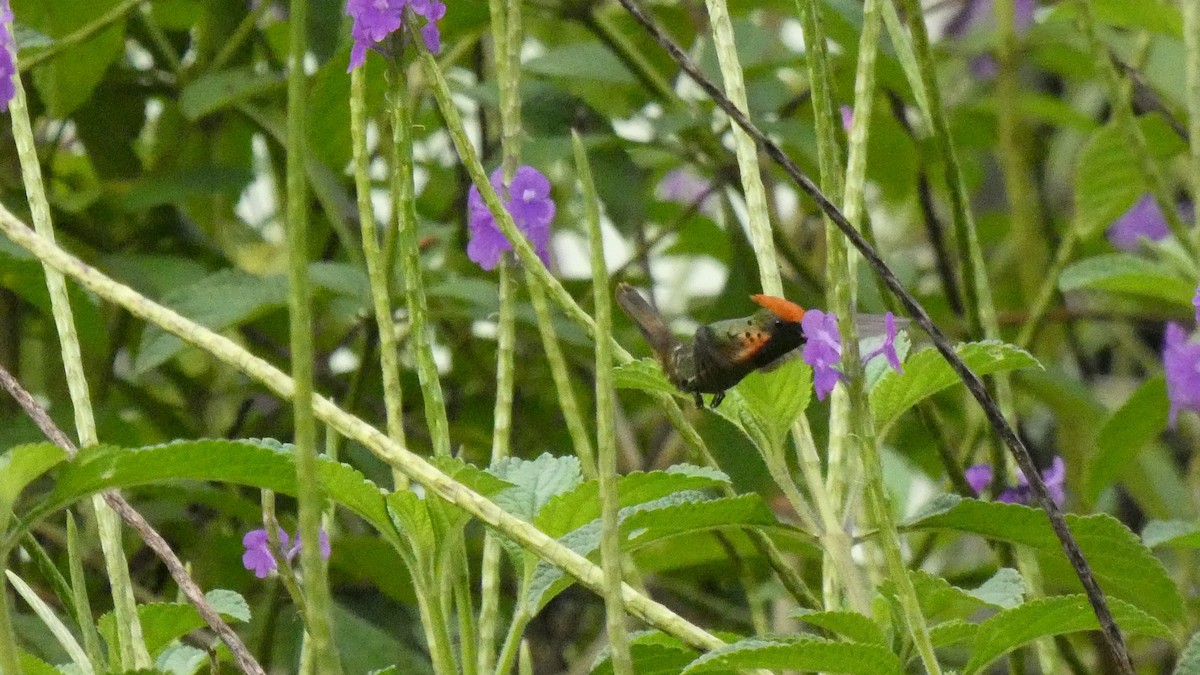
(1189, 658)
(570, 510)
(68, 80)
(645, 523)
(214, 91)
(174, 188)
(1136, 423)
(851, 625)
(926, 373)
(412, 519)
(261, 464)
(1128, 274)
(952, 632)
(765, 404)
(32, 665)
(1173, 533)
(219, 301)
(798, 653)
(22, 465)
(939, 598)
(534, 482)
(1108, 173)
(644, 374)
(181, 659)
(653, 653)
(1046, 617)
(581, 60)
(1124, 567)
(163, 622)
(1151, 15)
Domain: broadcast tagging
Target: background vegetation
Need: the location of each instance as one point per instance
(179, 155)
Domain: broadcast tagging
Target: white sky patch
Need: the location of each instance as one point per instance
(791, 34)
(573, 259)
(256, 206)
(637, 129)
(484, 329)
(343, 360)
(441, 358)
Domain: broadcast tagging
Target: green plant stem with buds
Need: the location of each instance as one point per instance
(308, 488)
(606, 442)
(131, 646)
(389, 362)
(1191, 38)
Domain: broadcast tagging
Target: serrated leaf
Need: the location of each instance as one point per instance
(155, 190)
(411, 518)
(1173, 533)
(1124, 567)
(1138, 422)
(1005, 589)
(1129, 274)
(641, 524)
(857, 627)
(798, 653)
(1108, 173)
(1189, 658)
(581, 505)
(22, 465)
(926, 373)
(181, 659)
(219, 301)
(765, 404)
(67, 81)
(32, 665)
(163, 622)
(952, 632)
(214, 91)
(261, 464)
(643, 374)
(653, 653)
(534, 482)
(1047, 617)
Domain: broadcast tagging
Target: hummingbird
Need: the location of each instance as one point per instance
(719, 354)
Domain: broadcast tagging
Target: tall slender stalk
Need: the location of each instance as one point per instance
(758, 218)
(562, 378)
(506, 31)
(404, 205)
(606, 442)
(389, 363)
(1191, 37)
(308, 488)
(130, 644)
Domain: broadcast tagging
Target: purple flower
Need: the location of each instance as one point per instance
(531, 207)
(684, 187)
(847, 117)
(979, 477)
(984, 67)
(1181, 361)
(258, 556)
(1143, 219)
(1196, 304)
(8, 67)
(822, 350)
(888, 348)
(375, 20)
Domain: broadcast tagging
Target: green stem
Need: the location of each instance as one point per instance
(404, 203)
(389, 363)
(131, 645)
(1191, 37)
(235, 41)
(759, 224)
(308, 487)
(79, 596)
(434, 621)
(512, 640)
(606, 442)
(9, 661)
(562, 379)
